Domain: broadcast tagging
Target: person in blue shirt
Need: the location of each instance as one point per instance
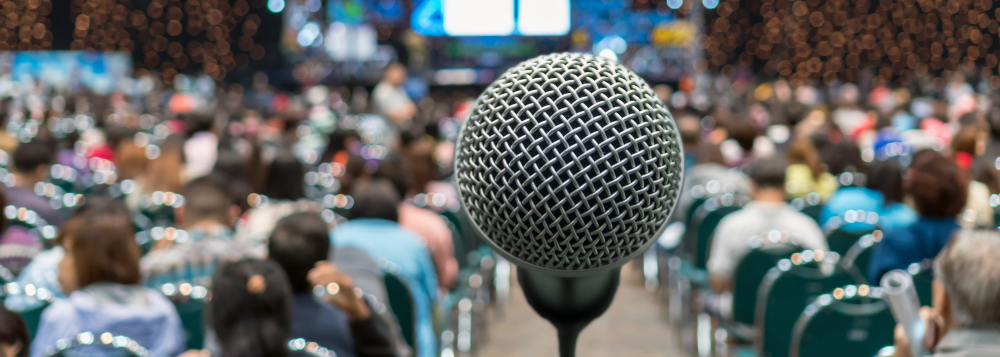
(882, 194)
(373, 228)
(939, 191)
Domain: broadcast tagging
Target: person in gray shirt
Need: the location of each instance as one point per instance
(965, 318)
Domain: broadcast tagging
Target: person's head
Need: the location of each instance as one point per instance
(965, 145)
(284, 178)
(689, 128)
(768, 176)
(375, 199)
(802, 152)
(297, 243)
(131, 159)
(396, 171)
(100, 247)
(967, 280)
(395, 74)
(251, 310)
(710, 153)
(886, 176)
(842, 157)
(231, 168)
(31, 161)
(14, 340)
(743, 132)
(938, 186)
(164, 173)
(206, 201)
(340, 140)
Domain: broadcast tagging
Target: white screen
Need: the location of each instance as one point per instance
(479, 17)
(543, 17)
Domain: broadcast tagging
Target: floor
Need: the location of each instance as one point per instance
(631, 327)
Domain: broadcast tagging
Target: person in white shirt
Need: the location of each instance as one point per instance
(390, 100)
(768, 211)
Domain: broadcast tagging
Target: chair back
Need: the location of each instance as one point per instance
(33, 316)
(858, 256)
(923, 280)
(698, 237)
(88, 343)
(402, 305)
(786, 291)
(809, 205)
(850, 321)
(456, 241)
(190, 301)
(765, 251)
(843, 231)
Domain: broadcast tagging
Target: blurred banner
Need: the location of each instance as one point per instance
(98, 72)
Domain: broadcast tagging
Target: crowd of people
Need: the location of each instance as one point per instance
(285, 212)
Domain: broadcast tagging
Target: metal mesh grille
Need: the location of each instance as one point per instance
(569, 162)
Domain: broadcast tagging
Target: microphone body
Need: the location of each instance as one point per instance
(569, 166)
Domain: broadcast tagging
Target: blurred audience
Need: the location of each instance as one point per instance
(31, 165)
(938, 188)
(373, 227)
(206, 217)
(340, 320)
(805, 173)
(882, 194)
(284, 194)
(100, 274)
(250, 311)
(768, 211)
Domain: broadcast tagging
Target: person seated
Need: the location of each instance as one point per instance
(938, 188)
(341, 322)
(14, 340)
(100, 274)
(964, 320)
(206, 216)
(284, 191)
(806, 174)
(428, 225)
(31, 166)
(250, 310)
(43, 271)
(768, 211)
(882, 194)
(710, 167)
(373, 227)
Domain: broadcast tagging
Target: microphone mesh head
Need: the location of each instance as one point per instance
(569, 163)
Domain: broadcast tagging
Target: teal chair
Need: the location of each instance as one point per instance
(850, 321)
(855, 262)
(189, 300)
(786, 291)
(32, 318)
(706, 218)
(96, 344)
(765, 251)
(841, 240)
(809, 205)
(923, 280)
(402, 305)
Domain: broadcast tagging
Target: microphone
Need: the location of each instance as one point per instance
(569, 166)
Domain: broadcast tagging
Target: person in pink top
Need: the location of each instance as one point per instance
(427, 224)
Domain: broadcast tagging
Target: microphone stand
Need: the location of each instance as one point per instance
(569, 303)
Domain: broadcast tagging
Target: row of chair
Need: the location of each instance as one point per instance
(779, 287)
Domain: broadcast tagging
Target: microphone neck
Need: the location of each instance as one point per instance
(569, 303)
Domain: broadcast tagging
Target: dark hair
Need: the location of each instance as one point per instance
(769, 173)
(965, 141)
(938, 186)
(206, 198)
(842, 157)
(710, 153)
(297, 243)
(31, 155)
(249, 323)
(14, 331)
(395, 170)
(104, 250)
(744, 132)
(338, 142)
(375, 199)
(284, 178)
(886, 176)
(802, 152)
(230, 167)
